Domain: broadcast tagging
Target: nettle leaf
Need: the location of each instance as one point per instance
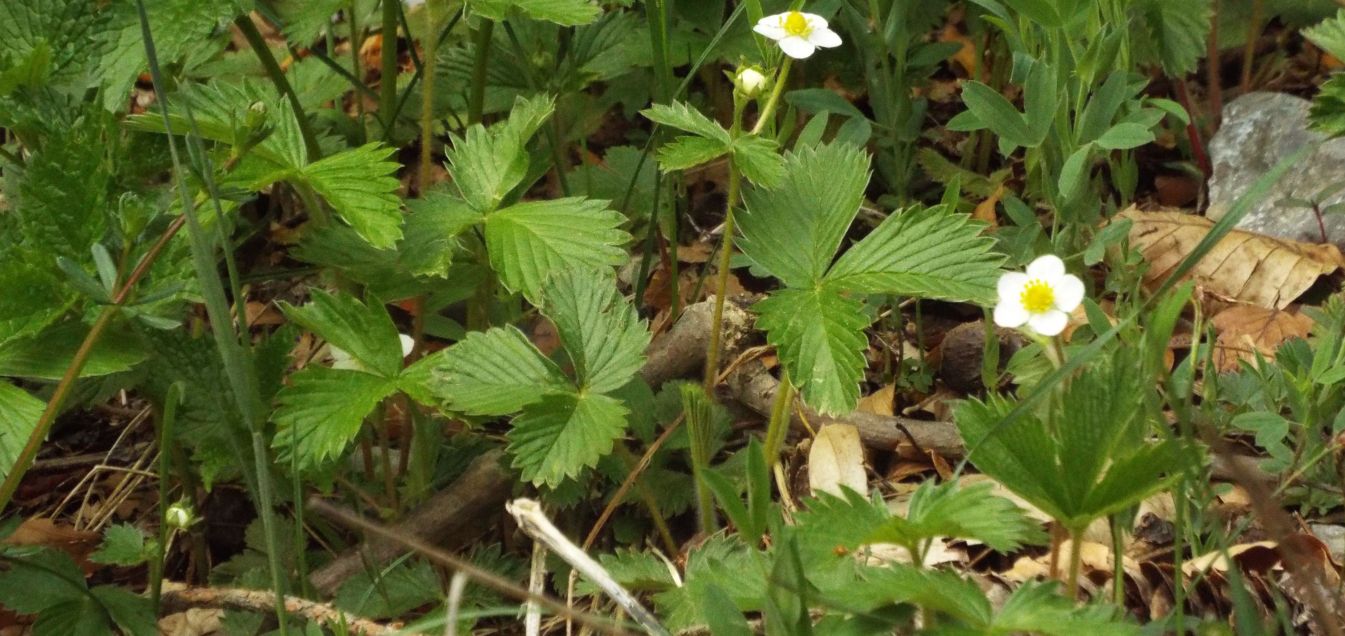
(599, 329)
(320, 412)
(486, 164)
(181, 28)
(71, 30)
(927, 252)
(558, 436)
(794, 230)
(819, 335)
(364, 331)
(562, 12)
(528, 242)
(359, 185)
(19, 412)
(495, 372)
(961, 512)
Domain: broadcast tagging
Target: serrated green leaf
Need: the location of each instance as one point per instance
(495, 372)
(1327, 115)
(635, 570)
(46, 355)
(562, 12)
(933, 591)
(37, 579)
(181, 28)
(758, 158)
(123, 544)
(794, 230)
(19, 413)
(528, 242)
(926, 252)
(305, 20)
(819, 336)
(364, 331)
(359, 185)
(321, 412)
(134, 614)
(433, 223)
(389, 593)
(599, 329)
(486, 164)
(1329, 35)
(71, 29)
(689, 151)
(1177, 34)
(560, 435)
(682, 116)
(80, 616)
(962, 512)
(58, 198)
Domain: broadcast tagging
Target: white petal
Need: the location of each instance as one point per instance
(797, 47)
(814, 21)
(770, 27)
(1011, 286)
(408, 343)
(1046, 268)
(1049, 323)
(1068, 292)
(825, 38)
(1011, 314)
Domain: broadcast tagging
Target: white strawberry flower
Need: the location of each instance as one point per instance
(342, 360)
(799, 34)
(1042, 298)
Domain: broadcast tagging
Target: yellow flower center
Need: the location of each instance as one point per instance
(795, 24)
(1037, 296)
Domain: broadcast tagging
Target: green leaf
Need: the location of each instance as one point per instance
(134, 614)
(935, 592)
(391, 592)
(430, 237)
(364, 331)
(689, 151)
(487, 164)
(80, 616)
(758, 158)
(47, 355)
(557, 437)
(794, 230)
(38, 579)
(997, 114)
(19, 413)
(681, 116)
(1177, 34)
(123, 544)
(961, 512)
(58, 199)
(495, 372)
(926, 252)
(71, 29)
(1124, 136)
(1327, 115)
(1329, 35)
(182, 29)
(305, 20)
(528, 242)
(321, 412)
(635, 570)
(1103, 106)
(1074, 173)
(599, 329)
(562, 12)
(1037, 608)
(819, 335)
(359, 185)
(1043, 12)
(1040, 99)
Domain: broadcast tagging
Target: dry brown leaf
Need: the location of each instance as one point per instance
(837, 459)
(879, 402)
(1243, 266)
(985, 210)
(1246, 330)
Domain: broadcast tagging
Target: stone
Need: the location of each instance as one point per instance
(1333, 537)
(1259, 129)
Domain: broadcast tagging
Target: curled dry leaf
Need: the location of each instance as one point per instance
(1247, 330)
(1243, 266)
(837, 459)
(879, 402)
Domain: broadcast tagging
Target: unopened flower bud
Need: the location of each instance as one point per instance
(750, 81)
(179, 516)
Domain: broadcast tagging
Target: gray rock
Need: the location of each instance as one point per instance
(1333, 537)
(1260, 129)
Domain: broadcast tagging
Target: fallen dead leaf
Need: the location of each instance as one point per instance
(1243, 266)
(1247, 330)
(985, 210)
(879, 402)
(837, 459)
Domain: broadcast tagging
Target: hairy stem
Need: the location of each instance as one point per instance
(779, 423)
(774, 100)
(477, 99)
(431, 45)
(387, 99)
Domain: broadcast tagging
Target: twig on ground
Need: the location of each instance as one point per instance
(534, 522)
(263, 602)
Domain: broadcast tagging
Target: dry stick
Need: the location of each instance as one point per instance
(263, 601)
(67, 383)
(484, 577)
(528, 513)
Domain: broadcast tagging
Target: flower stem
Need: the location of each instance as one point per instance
(477, 99)
(387, 101)
(725, 257)
(774, 100)
(778, 427)
(1075, 559)
(427, 100)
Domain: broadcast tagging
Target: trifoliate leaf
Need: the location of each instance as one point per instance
(359, 185)
(1328, 108)
(562, 12)
(1177, 34)
(486, 164)
(133, 613)
(960, 512)
(794, 230)
(599, 329)
(19, 413)
(926, 252)
(123, 544)
(1329, 35)
(689, 151)
(495, 372)
(433, 223)
(758, 158)
(528, 242)
(321, 412)
(364, 331)
(819, 335)
(562, 434)
(40, 579)
(833, 527)
(681, 116)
